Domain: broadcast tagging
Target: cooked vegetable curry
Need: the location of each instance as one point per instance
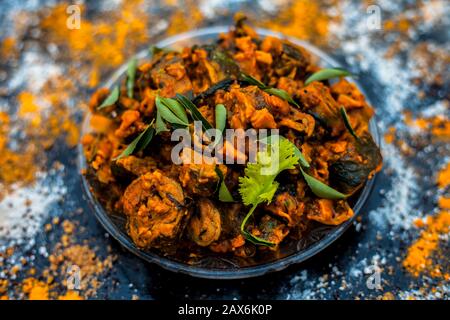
(191, 211)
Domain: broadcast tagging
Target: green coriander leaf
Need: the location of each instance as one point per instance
(259, 185)
(297, 151)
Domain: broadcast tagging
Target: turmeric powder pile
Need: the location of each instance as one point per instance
(419, 257)
(424, 254)
(67, 259)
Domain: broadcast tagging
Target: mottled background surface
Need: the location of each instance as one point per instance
(400, 50)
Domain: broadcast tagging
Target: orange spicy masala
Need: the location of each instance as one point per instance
(199, 209)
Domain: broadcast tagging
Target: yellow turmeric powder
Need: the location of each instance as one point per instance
(304, 19)
(70, 295)
(15, 167)
(419, 256)
(101, 43)
(444, 203)
(8, 48)
(443, 178)
(389, 136)
(35, 289)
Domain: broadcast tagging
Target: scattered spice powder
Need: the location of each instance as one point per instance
(35, 289)
(419, 256)
(443, 177)
(389, 136)
(422, 253)
(28, 107)
(100, 44)
(304, 19)
(15, 167)
(8, 48)
(186, 19)
(70, 295)
(439, 126)
(65, 257)
(444, 203)
(3, 286)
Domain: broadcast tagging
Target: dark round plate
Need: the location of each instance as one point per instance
(217, 267)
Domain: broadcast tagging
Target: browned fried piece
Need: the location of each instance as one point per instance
(169, 75)
(155, 206)
(199, 179)
(329, 212)
(205, 225)
(131, 167)
(270, 229)
(348, 95)
(317, 100)
(294, 62)
(299, 121)
(360, 160)
(287, 207)
(250, 106)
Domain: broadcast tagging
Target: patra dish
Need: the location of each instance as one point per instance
(164, 149)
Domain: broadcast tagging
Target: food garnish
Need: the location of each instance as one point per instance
(326, 74)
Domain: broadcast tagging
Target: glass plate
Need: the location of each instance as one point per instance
(218, 267)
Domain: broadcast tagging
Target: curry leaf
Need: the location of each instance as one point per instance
(160, 126)
(280, 93)
(176, 108)
(221, 117)
(257, 240)
(347, 123)
(325, 74)
(253, 81)
(320, 189)
(169, 111)
(224, 193)
(153, 50)
(146, 139)
(195, 113)
(131, 76)
(111, 99)
(140, 143)
(221, 121)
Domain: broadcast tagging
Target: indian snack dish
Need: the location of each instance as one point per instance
(179, 210)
